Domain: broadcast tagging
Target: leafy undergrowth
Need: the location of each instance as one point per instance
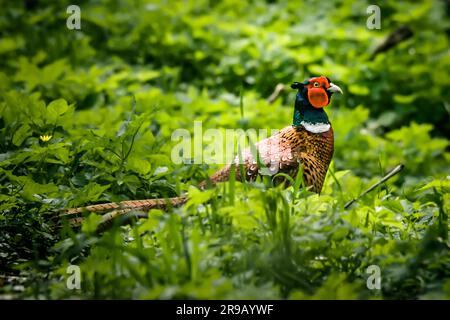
(109, 100)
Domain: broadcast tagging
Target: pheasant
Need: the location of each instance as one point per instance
(308, 142)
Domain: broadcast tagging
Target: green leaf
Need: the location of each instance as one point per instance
(91, 223)
(404, 99)
(358, 89)
(138, 165)
(92, 191)
(56, 109)
(21, 134)
(197, 196)
(443, 185)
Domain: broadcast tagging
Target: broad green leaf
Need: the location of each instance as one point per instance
(55, 109)
(21, 134)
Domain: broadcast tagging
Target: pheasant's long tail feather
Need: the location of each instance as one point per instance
(124, 209)
(146, 204)
(132, 208)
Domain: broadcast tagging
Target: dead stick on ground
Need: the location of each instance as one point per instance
(399, 35)
(392, 173)
(276, 93)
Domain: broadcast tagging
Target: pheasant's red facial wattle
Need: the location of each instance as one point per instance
(317, 94)
(318, 97)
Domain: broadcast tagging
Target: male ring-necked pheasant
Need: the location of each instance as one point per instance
(307, 142)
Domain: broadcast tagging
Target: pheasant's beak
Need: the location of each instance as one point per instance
(334, 88)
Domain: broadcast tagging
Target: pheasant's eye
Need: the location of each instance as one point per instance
(316, 84)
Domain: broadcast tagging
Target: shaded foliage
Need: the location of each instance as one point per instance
(111, 94)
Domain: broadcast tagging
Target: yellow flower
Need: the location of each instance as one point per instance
(45, 138)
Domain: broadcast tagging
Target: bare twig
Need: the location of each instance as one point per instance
(399, 35)
(275, 94)
(392, 173)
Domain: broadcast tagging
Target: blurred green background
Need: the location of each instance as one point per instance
(111, 94)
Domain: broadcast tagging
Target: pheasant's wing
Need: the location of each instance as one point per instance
(282, 153)
(275, 152)
(278, 153)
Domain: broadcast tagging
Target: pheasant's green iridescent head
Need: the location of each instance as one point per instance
(312, 97)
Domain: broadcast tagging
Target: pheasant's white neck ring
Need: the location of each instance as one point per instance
(316, 127)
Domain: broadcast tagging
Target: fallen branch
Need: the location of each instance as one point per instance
(276, 93)
(399, 35)
(392, 173)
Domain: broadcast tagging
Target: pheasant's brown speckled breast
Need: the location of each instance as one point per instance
(315, 154)
(283, 152)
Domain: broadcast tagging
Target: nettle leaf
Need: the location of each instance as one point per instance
(138, 165)
(153, 222)
(159, 159)
(52, 71)
(92, 192)
(443, 185)
(340, 174)
(63, 155)
(197, 196)
(340, 233)
(404, 99)
(393, 205)
(129, 128)
(91, 223)
(28, 73)
(56, 109)
(31, 189)
(146, 75)
(7, 206)
(132, 182)
(21, 134)
(8, 44)
(244, 217)
(23, 108)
